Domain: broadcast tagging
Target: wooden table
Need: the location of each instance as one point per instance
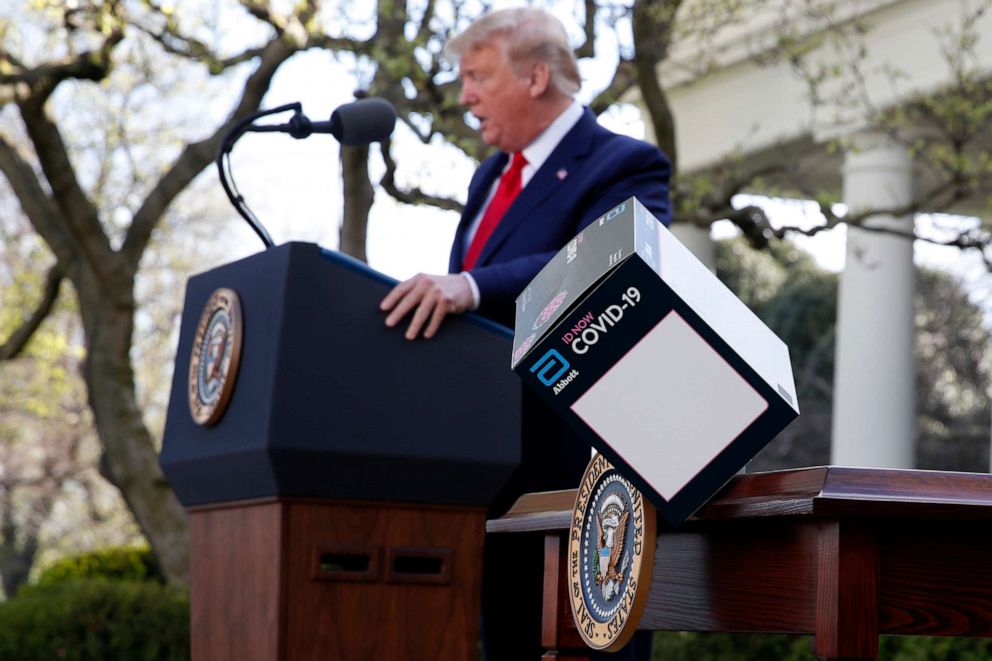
(845, 554)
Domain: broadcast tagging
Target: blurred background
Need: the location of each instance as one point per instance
(817, 144)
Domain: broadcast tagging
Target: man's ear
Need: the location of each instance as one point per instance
(540, 79)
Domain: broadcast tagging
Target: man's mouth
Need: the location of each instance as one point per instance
(481, 123)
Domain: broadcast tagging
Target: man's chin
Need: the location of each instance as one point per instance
(490, 139)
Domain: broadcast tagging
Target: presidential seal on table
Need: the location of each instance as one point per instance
(610, 556)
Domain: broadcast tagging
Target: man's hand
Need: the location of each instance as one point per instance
(433, 296)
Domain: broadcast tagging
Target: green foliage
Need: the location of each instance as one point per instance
(683, 646)
(798, 300)
(96, 619)
(952, 384)
(680, 646)
(45, 373)
(116, 563)
(935, 649)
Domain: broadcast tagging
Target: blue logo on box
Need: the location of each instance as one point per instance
(550, 367)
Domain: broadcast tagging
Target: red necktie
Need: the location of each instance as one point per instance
(509, 187)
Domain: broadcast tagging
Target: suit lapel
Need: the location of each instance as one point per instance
(489, 171)
(568, 155)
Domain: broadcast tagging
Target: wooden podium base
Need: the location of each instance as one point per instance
(294, 579)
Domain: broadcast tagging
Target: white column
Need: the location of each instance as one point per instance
(874, 421)
(698, 241)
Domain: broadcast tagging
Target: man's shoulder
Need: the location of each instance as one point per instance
(618, 153)
(603, 142)
(605, 138)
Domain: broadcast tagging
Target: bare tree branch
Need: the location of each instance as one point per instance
(71, 220)
(198, 155)
(264, 12)
(652, 22)
(36, 204)
(424, 32)
(588, 47)
(85, 66)
(18, 80)
(88, 65)
(415, 195)
(731, 183)
(197, 51)
(753, 224)
(23, 333)
(67, 220)
(624, 79)
(175, 42)
(77, 213)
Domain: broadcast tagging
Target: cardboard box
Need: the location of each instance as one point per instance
(637, 345)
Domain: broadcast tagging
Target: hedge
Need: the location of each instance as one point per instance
(96, 619)
(675, 646)
(122, 563)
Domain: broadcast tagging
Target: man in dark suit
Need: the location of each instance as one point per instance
(555, 172)
(524, 104)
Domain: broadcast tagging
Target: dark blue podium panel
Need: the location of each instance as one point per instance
(330, 403)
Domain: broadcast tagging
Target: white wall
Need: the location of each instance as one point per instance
(742, 106)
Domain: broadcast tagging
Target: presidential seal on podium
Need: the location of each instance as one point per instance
(213, 365)
(610, 556)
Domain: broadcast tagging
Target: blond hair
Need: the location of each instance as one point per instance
(528, 34)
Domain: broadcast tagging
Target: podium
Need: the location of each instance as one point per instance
(337, 505)
(845, 554)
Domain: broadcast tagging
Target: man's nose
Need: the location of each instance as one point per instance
(466, 97)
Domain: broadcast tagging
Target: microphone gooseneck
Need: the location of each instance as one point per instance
(357, 123)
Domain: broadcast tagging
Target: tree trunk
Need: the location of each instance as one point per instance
(652, 27)
(129, 459)
(61, 210)
(17, 556)
(358, 197)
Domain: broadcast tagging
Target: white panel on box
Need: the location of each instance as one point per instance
(727, 315)
(695, 406)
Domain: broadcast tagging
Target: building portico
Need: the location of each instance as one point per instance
(734, 100)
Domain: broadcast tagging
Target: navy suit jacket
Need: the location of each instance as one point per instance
(590, 171)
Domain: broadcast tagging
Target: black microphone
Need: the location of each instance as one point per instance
(356, 123)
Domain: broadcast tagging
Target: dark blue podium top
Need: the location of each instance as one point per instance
(330, 403)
